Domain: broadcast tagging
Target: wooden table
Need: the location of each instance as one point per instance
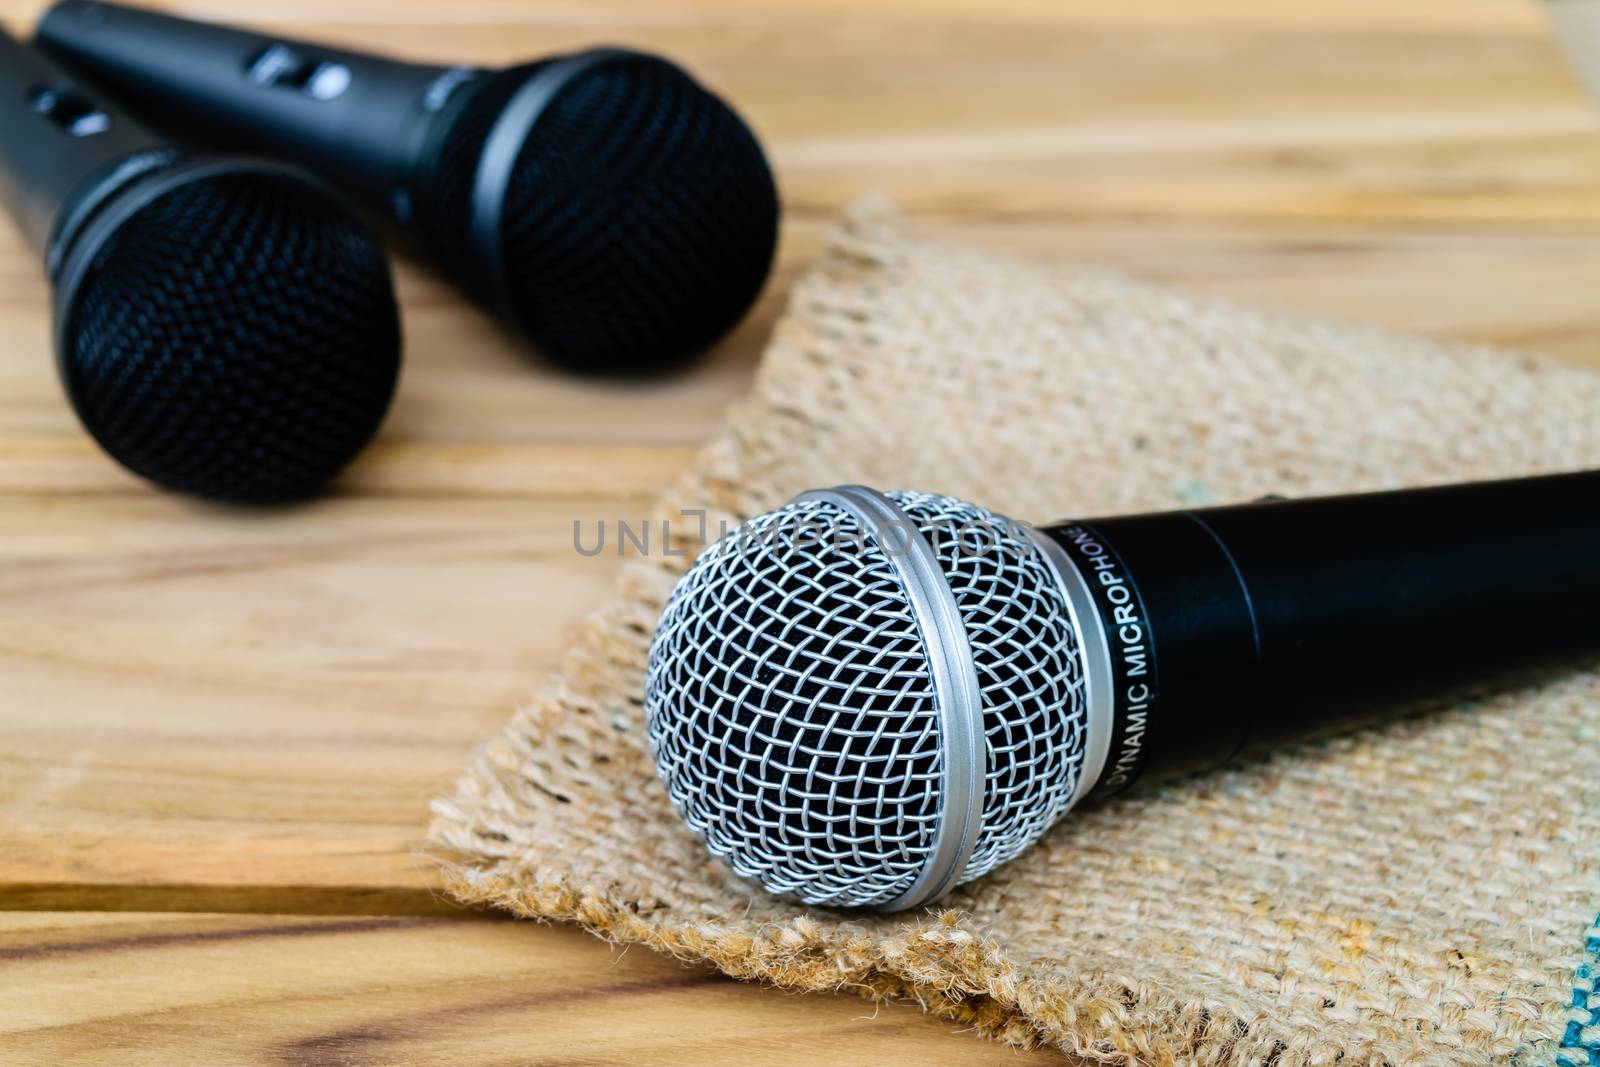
(219, 732)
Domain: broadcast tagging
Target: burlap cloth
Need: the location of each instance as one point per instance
(1415, 894)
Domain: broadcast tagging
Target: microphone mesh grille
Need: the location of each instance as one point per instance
(794, 720)
(237, 338)
(792, 715)
(640, 221)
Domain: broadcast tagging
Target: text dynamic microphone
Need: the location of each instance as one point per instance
(605, 205)
(866, 699)
(225, 328)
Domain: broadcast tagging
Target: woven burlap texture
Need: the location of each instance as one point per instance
(1412, 894)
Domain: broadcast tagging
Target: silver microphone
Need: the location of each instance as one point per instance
(824, 690)
(866, 699)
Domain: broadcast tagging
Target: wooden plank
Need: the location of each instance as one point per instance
(291, 990)
(1495, 17)
(198, 696)
(250, 711)
(1382, 112)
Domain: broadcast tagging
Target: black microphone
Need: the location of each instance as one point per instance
(866, 699)
(226, 328)
(604, 204)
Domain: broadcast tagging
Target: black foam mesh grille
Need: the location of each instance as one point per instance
(640, 221)
(237, 338)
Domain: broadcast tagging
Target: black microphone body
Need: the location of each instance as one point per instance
(361, 117)
(225, 327)
(603, 204)
(1232, 630)
(59, 146)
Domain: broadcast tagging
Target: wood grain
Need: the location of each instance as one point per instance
(208, 711)
(297, 991)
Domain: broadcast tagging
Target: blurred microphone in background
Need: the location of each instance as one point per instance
(605, 205)
(226, 328)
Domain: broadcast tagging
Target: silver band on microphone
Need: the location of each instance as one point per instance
(962, 756)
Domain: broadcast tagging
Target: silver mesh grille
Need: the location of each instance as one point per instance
(794, 719)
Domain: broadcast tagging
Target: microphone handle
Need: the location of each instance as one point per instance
(1235, 629)
(55, 136)
(361, 119)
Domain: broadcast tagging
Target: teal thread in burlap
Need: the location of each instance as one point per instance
(1580, 1045)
